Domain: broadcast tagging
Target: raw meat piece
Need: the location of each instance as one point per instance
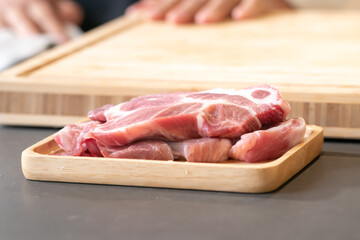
(180, 116)
(72, 138)
(92, 148)
(150, 150)
(269, 144)
(202, 149)
(98, 114)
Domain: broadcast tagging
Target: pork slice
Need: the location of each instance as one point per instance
(269, 144)
(150, 150)
(92, 148)
(99, 113)
(72, 138)
(202, 149)
(179, 116)
(265, 101)
(149, 123)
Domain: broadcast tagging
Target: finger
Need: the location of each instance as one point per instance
(70, 11)
(2, 20)
(185, 11)
(2, 23)
(247, 9)
(133, 8)
(48, 20)
(140, 6)
(215, 10)
(17, 19)
(254, 8)
(159, 10)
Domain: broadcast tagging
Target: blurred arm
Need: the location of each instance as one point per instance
(27, 17)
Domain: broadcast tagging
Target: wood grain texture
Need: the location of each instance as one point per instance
(312, 57)
(38, 164)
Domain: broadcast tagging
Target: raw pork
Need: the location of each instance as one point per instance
(98, 114)
(269, 144)
(202, 149)
(150, 150)
(179, 116)
(72, 138)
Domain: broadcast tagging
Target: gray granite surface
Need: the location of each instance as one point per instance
(321, 202)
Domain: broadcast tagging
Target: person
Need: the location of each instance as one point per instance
(27, 17)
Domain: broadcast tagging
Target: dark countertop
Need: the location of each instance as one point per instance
(322, 202)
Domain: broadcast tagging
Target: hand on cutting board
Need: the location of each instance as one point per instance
(27, 17)
(204, 11)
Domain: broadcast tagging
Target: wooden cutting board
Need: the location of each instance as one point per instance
(38, 163)
(313, 57)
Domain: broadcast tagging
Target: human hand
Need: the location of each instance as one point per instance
(28, 17)
(204, 11)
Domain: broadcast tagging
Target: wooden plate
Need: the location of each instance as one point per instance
(233, 176)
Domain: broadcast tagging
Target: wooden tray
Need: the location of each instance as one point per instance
(311, 56)
(232, 176)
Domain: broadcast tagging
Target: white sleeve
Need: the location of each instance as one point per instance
(350, 4)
